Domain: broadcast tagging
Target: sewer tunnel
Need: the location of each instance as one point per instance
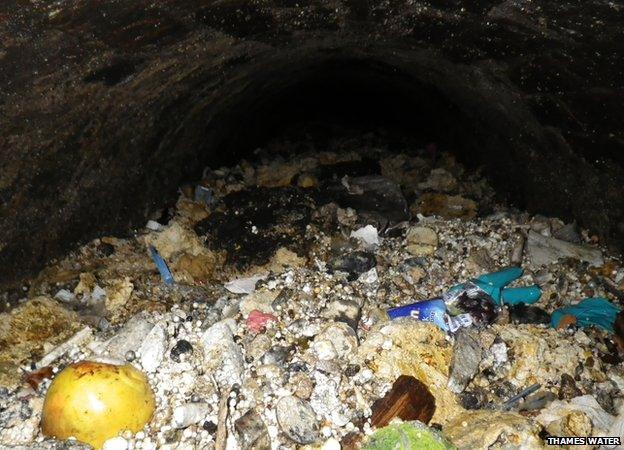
(99, 133)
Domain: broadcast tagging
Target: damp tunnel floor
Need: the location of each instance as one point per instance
(281, 288)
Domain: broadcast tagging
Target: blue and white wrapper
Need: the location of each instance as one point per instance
(433, 310)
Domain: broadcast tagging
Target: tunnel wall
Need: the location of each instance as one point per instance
(106, 106)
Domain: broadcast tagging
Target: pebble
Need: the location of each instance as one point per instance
(336, 340)
(210, 426)
(368, 235)
(153, 225)
(546, 250)
(297, 420)
(65, 296)
(352, 369)
(567, 388)
(439, 180)
(189, 414)
(152, 351)
(354, 263)
(258, 346)
(116, 443)
(331, 444)
(467, 355)
(343, 310)
(251, 431)
(302, 384)
(277, 355)
(369, 277)
(132, 335)
(181, 347)
(421, 241)
(221, 354)
(244, 285)
(568, 233)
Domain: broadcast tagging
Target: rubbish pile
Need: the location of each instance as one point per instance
(347, 298)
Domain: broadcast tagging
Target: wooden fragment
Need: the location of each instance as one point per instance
(409, 399)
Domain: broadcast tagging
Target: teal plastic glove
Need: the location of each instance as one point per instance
(596, 311)
(494, 285)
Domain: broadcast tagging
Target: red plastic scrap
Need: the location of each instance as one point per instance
(257, 320)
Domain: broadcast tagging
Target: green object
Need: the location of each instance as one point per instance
(408, 436)
(596, 311)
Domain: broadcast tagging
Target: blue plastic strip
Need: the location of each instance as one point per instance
(161, 265)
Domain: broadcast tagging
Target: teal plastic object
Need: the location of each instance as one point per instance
(596, 311)
(527, 295)
(501, 278)
(494, 285)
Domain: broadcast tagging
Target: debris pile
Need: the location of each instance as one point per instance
(335, 299)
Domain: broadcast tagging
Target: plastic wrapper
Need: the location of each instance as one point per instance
(471, 300)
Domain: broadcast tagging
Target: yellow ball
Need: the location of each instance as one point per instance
(94, 402)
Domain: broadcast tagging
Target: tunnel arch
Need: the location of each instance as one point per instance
(471, 112)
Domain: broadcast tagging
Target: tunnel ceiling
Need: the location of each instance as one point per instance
(107, 105)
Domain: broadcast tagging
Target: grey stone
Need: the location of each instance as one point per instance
(422, 236)
(542, 277)
(342, 310)
(546, 250)
(65, 296)
(354, 263)
(439, 180)
(258, 346)
(181, 347)
(568, 233)
(277, 355)
(252, 432)
(340, 337)
(221, 354)
(297, 420)
(152, 350)
(282, 298)
(537, 401)
(130, 337)
(467, 355)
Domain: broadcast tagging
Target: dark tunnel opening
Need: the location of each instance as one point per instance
(354, 95)
(325, 97)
